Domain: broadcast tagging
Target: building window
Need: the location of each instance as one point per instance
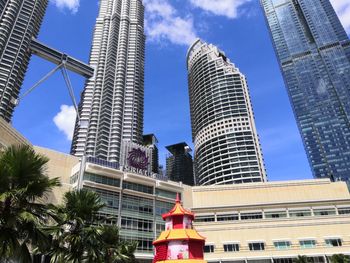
(208, 248)
(283, 260)
(101, 179)
(137, 224)
(344, 211)
(276, 214)
(137, 205)
(249, 216)
(109, 198)
(231, 247)
(333, 242)
(73, 178)
(138, 187)
(307, 243)
(255, 246)
(280, 245)
(324, 212)
(166, 194)
(299, 213)
(163, 207)
(204, 219)
(143, 243)
(231, 217)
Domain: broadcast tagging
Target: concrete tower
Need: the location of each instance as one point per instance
(313, 51)
(20, 21)
(111, 107)
(227, 148)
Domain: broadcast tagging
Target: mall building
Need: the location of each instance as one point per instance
(243, 223)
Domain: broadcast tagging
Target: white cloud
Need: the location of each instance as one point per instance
(72, 5)
(163, 23)
(228, 8)
(342, 7)
(65, 120)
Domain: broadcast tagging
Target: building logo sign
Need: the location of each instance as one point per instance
(138, 159)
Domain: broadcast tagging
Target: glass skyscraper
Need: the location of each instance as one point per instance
(227, 148)
(313, 50)
(20, 21)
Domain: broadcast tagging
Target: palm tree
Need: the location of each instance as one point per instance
(115, 250)
(22, 184)
(79, 238)
(340, 258)
(301, 259)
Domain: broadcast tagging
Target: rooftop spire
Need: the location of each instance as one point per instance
(178, 200)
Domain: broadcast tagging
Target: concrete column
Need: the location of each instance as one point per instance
(81, 172)
(120, 203)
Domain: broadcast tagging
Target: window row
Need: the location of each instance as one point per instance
(126, 185)
(279, 245)
(273, 214)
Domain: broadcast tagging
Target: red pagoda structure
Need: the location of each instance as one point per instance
(179, 242)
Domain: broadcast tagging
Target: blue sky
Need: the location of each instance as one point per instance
(238, 27)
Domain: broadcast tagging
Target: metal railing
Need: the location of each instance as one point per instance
(101, 162)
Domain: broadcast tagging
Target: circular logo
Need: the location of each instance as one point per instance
(138, 159)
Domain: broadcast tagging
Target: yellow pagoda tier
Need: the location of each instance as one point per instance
(179, 242)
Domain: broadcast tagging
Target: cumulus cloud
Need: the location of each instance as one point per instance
(72, 5)
(163, 23)
(65, 120)
(228, 8)
(342, 7)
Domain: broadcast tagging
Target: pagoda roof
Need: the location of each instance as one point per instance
(178, 210)
(178, 234)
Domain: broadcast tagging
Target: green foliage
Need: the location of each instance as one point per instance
(302, 259)
(68, 233)
(340, 258)
(77, 237)
(22, 184)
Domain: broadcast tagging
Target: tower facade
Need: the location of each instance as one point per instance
(151, 141)
(20, 21)
(179, 163)
(313, 51)
(227, 148)
(111, 106)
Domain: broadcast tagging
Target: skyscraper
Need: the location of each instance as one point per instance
(314, 55)
(151, 141)
(179, 163)
(111, 107)
(227, 148)
(20, 21)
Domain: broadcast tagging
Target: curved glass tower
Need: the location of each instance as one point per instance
(20, 21)
(314, 55)
(111, 107)
(227, 148)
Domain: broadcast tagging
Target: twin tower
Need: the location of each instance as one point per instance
(227, 148)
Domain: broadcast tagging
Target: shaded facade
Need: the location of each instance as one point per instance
(111, 107)
(20, 21)
(179, 163)
(227, 148)
(151, 141)
(313, 51)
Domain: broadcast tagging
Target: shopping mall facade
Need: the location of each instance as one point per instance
(243, 223)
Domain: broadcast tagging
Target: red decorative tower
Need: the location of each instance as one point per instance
(179, 241)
